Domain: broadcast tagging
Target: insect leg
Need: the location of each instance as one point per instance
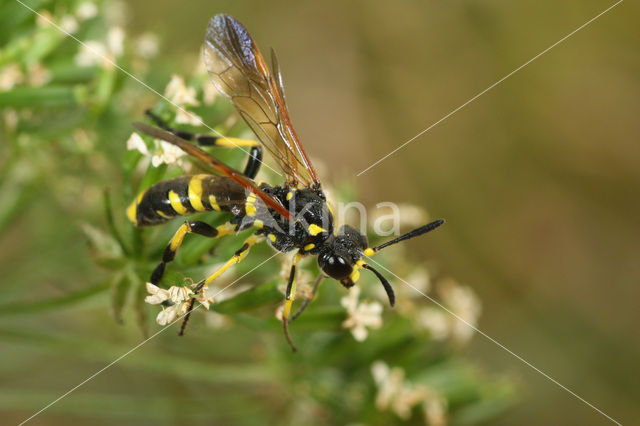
(310, 298)
(255, 151)
(202, 285)
(289, 297)
(236, 258)
(194, 227)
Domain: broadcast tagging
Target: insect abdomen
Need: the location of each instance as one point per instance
(184, 196)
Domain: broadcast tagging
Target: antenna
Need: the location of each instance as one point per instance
(411, 234)
(385, 284)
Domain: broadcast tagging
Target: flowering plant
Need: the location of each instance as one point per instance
(66, 116)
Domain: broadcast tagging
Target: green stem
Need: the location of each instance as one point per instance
(72, 74)
(111, 222)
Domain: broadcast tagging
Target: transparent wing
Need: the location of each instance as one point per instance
(214, 164)
(275, 66)
(239, 72)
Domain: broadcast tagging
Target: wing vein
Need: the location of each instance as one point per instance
(239, 71)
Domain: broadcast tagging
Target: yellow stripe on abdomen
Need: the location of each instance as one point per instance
(195, 193)
(176, 204)
(132, 210)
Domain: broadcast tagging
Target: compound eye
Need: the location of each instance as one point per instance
(335, 266)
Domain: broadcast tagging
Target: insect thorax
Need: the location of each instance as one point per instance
(312, 224)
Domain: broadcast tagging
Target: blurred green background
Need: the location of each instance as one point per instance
(538, 180)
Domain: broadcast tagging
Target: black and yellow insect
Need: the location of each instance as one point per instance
(291, 216)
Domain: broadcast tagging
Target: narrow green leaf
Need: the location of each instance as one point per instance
(45, 40)
(265, 294)
(130, 408)
(153, 175)
(119, 290)
(14, 49)
(105, 85)
(43, 306)
(139, 305)
(157, 362)
(69, 73)
(496, 398)
(110, 221)
(322, 318)
(40, 97)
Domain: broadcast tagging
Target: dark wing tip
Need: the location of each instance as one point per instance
(221, 19)
(224, 24)
(218, 24)
(232, 42)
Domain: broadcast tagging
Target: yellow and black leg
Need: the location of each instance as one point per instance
(189, 227)
(202, 285)
(255, 149)
(289, 297)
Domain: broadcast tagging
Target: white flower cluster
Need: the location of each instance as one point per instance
(165, 152)
(182, 97)
(168, 154)
(94, 52)
(400, 396)
(179, 296)
(147, 45)
(10, 75)
(460, 300)
(361, 314)
(86, 10)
